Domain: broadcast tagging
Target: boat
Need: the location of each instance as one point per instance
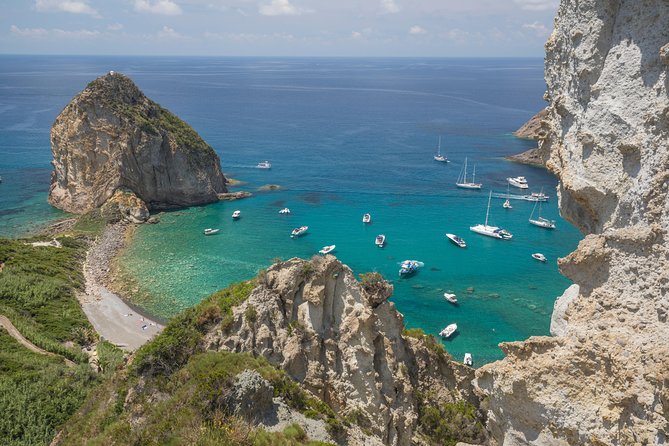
(327, 249)
(539, 256)
(210, 231)
(439, 157)
(408, 267)
(507, 203)
(541, 221)
(468, 361)
(451, 298)
(457, 240)
(448, 331)
(284, 211)
(264, 165)
(519, 182)
(380, 240)
(491, 231)
(299, 231)
(236, 214)
(536, 196)
(462, 179)
(366, 218)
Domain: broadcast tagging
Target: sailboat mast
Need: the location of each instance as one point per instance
(488, 210)
(464, 178)
(474, 175)
(439, 146)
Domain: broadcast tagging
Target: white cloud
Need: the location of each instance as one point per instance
(71, 6)
(168, 33)
(356, 35)
(162, 7)
(115, 27)
(42, 32)
(415, 30)
(250, 37)
(537, 5)
(389, 7)
(539, 28)
(280, 7)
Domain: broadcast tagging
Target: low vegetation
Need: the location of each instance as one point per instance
(449, 423)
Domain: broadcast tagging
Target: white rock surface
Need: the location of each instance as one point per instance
(606, 380)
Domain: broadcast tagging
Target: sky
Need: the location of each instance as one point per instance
(376, 28)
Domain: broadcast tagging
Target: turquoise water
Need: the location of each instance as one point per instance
(345, 137)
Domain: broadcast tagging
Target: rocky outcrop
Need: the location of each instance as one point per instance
(604, 379)
(111, 137)
(343, 341)
(534, 129)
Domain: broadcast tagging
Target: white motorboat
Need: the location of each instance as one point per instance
(539, 256)
(264, 165)
(408, 267)
(519, 182)
(457, 240)
(448, 331)
(462, 179)
(236, 214)
(367, 218)
(380, 240)
(507, 203)
(439, 157)
(284, 211)
(491, 231)
(468, 360)
(327, 249)
(451, 298)
(210, 231)
(541, 221)
(299, 231)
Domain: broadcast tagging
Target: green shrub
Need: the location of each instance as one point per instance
(449, 423)
(110, 357)
(250, 315)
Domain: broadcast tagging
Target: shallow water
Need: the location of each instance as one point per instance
(345, 137)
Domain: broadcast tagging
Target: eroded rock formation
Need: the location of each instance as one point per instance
(605, 379)
(344, 343)
(111, 137)
(534, 129)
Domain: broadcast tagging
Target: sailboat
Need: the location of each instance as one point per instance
(439, 157)
(462, 179)
(507, 203)
(490, 231)
(541, 221)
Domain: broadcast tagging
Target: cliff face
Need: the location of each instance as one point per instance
(604, 378)
(112, 137)
(344, 342)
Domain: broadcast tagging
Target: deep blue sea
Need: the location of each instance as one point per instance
(345, 137)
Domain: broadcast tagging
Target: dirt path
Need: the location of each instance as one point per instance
(13, 332)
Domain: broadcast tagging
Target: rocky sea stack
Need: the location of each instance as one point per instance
(113, 140)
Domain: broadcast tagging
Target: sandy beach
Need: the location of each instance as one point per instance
(111, 316)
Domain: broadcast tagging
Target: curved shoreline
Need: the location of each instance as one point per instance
(116, 320)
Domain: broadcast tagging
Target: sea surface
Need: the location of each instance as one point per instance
(345, 137)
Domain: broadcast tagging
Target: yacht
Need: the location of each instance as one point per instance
(519, 182)
(451, 298)
(237, 214)
(491, 231)
(327, 249)
(264, 165)
(408, 267)
(439, 157)
(380, 240)
(367, 218)
(284, 211)
(468, 361)
(462, 179)
(539, 256)
(457, 240)
(541, 221)
(299, 231)
(448, 331)
(210, 231)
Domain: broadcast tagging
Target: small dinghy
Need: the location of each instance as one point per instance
(409, 267)
(448, 331)
(468, 360)
(299, 231)
(367, 218)
(327, 249)
(380, 240)
(539, 256)
(264, 165)
(210, 231)
(451, 298)
(236, 214)
(284, 211)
